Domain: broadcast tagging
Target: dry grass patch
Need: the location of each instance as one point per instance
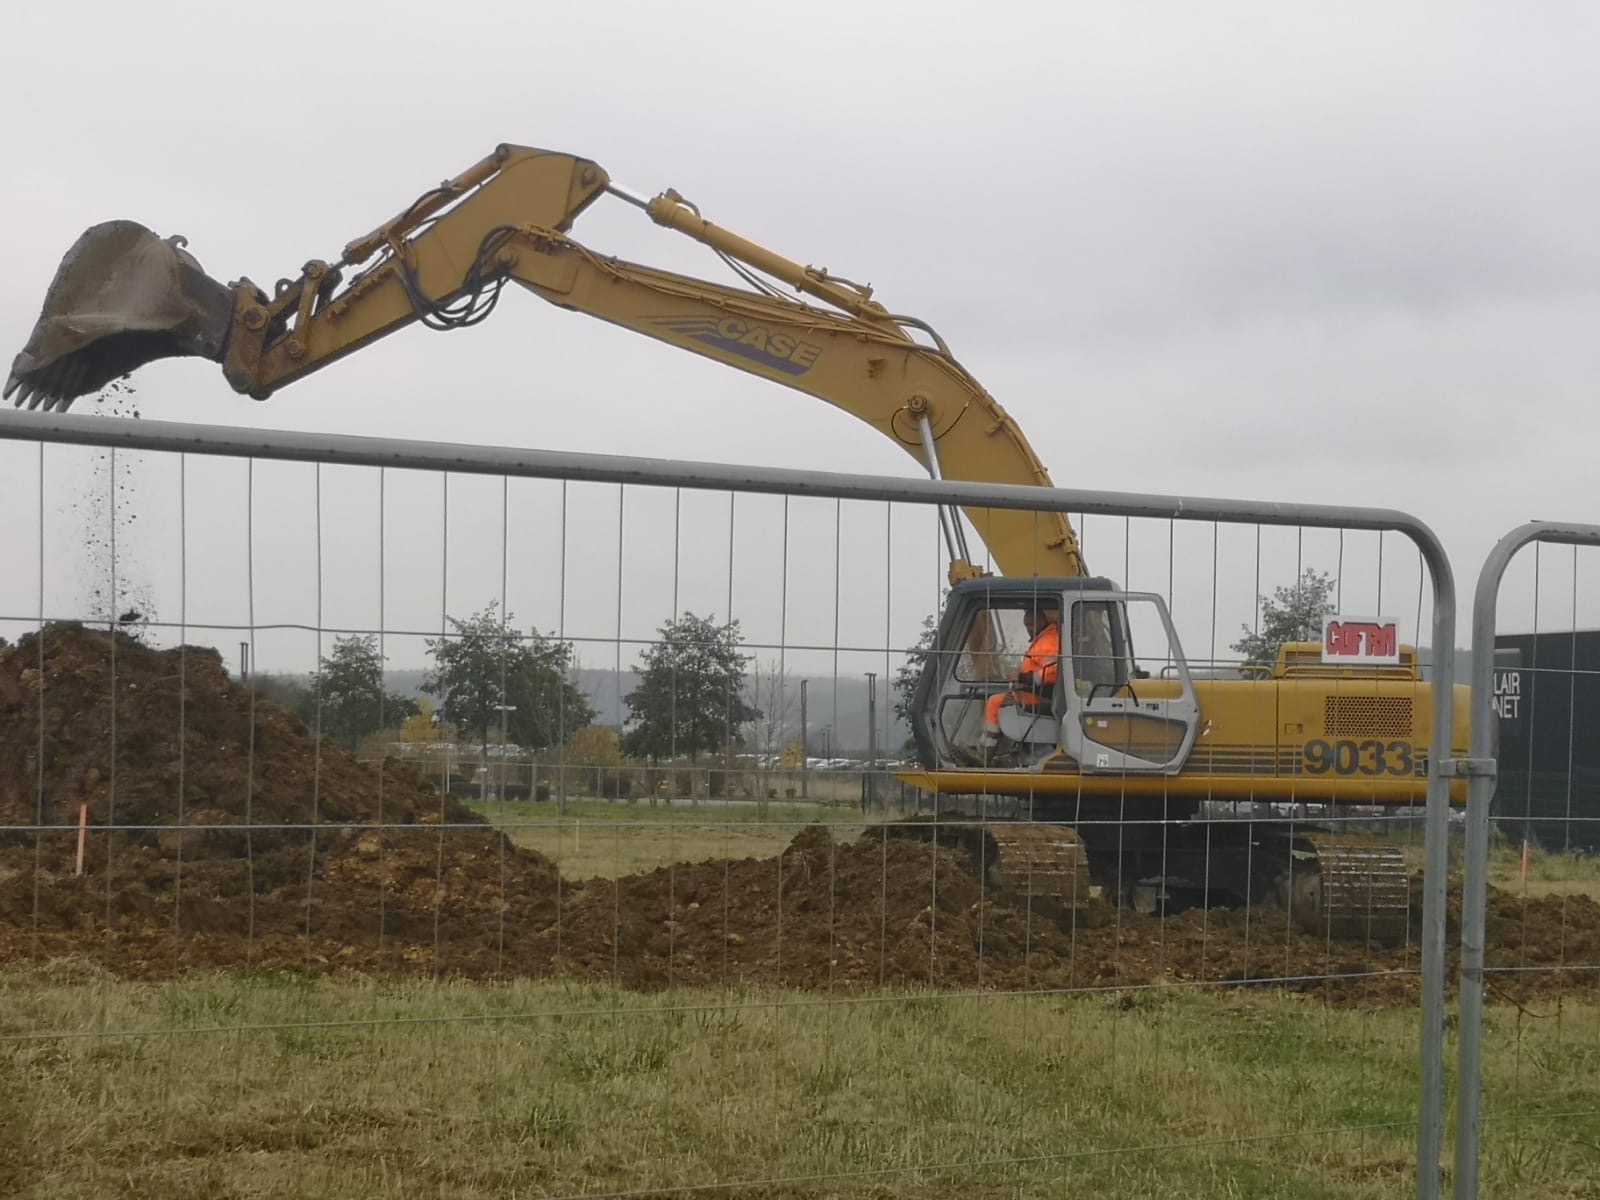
(274, 1084)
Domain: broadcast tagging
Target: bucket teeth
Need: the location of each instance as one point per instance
(52, 389)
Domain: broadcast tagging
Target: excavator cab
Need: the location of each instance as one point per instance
(1074, 674)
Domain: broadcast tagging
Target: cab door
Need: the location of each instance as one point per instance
(1129, 702)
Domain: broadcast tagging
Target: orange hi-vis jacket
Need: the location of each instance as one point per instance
(1039, 668)
(1043, 659)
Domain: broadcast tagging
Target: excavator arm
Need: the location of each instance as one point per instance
(124, 297)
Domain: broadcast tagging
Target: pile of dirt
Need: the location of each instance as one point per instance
(896, 910)
(235, 835)
(243, 840)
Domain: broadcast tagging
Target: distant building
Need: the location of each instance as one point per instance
(1547, 697)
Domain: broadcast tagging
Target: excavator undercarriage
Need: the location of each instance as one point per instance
(1345, 886)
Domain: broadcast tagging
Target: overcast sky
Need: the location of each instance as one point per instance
(1347, 256)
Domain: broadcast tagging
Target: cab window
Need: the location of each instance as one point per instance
(1099, 649)
(995, 643)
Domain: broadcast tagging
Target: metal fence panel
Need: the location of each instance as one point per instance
(1531, 799)
(767, 924)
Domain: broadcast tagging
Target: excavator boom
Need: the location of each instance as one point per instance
(124, 297)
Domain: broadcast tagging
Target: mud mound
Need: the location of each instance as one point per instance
(897, 910)
(251, 843)
(236, 829)
(123, 726)
(1558, 936)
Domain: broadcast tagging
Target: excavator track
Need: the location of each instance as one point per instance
(1348, 887)
(1342, 886)
(1041, 862)
(1045, 865)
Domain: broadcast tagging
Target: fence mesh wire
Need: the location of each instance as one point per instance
(488, 833)
(1541, 975)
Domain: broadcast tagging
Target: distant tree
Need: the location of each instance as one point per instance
(1291, 614)
(347, 700)
(595, 746)
(486, 674)
(909, 674)
(690, 696)
(420, 728)
(773, 698)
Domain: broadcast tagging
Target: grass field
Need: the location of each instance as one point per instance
(1549, 873)
(265, 1084)
(600, 838)
(416, 1088)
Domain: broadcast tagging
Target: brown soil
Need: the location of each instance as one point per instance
(347, 867)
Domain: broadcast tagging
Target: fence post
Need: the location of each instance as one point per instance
(1480, 770)
(1436, 834)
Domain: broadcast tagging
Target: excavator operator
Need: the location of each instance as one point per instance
(1036, 675)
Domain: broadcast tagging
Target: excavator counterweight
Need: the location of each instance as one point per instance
(122, 297)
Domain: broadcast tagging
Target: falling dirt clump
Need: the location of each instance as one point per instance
(221, 833)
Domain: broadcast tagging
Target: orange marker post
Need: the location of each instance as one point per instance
(83, 832)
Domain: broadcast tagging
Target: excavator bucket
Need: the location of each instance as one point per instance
(121, 298)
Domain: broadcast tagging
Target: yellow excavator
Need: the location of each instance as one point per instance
(1122, 757)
